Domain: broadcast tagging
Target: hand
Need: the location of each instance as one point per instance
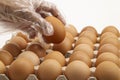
(30, 13)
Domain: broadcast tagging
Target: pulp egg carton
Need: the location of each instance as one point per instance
(62, 77)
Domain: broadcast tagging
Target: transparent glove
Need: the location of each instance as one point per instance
(29, 14)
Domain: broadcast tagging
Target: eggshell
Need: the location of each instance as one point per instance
(77, 70)
(90, 28)
(71, 29)
(79, 55)
(70, 36)
(36, 48)
(107, 56)
(6, 57)
(85, 48)
(30, 56)
(13, 48)
(20, 41)
(59, 30)
(92, 36)
(57, 56)
(84, 40)
(23, 35)
(107, 34)
(2, 68)
(49, 70)
(112, 29)
(110, 40)
(108, 48)
(64, 46)
(107, 70)
(20, 69)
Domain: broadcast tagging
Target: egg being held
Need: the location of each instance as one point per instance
(59, 30)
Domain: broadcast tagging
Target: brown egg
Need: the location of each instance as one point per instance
(64, 46)
(108, 48)
(90, 28)
(36, 48)
(2, 68)
(79, 55)
(107, 56)
(119, 62)
(23, 35)
(84, 40)
(59, 30)
(13, 48)
(30, 56)
(57, 56)
(49, 70)
(70, 36)
(107, 34)
(112, 29)
(6, 57)
(77, 70)
(20, 41)
(107, 70)
(110, 40)
(92, 36)
(71, 29)
(20, 69)
(85, 48)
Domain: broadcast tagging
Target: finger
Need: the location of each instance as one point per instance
(50, 7)
(44, 14)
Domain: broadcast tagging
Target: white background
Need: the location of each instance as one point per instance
(80, 13)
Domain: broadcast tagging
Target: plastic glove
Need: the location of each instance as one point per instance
(29, 14)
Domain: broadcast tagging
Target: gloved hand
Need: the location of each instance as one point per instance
(30, 15)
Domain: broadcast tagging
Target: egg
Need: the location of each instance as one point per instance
(59, 30)
(71, 29)
(119, 62)
(112, 29)
(64, 46)
(6, 57)
(85, 48)
(108, 48)
(110, 40)
(20, 69)
(107, 70)
(49, 70)
(84, 40)
(23, 35)
(70, 36)
(79, 55)
(90, 28)
(107, 34)
(92, 36)
(30, 56)
(36, 48)
(107, 56)
(57, 56)
(20, 41)
(13, 48)
(2, 68)
(77, 70)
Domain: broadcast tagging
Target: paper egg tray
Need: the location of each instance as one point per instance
(62, 77)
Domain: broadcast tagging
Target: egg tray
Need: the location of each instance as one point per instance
(62, 77)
